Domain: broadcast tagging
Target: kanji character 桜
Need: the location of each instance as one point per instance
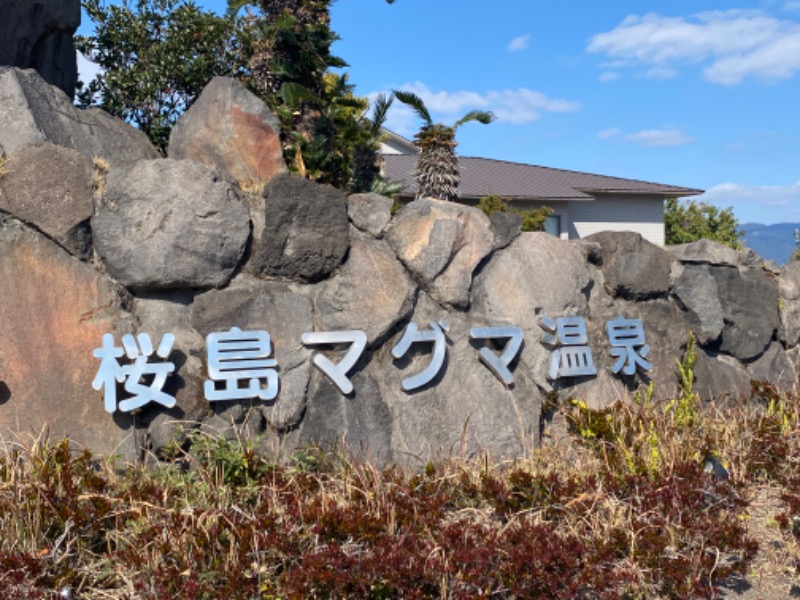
(236, 356)
(412, 335)
(572, 356)
(337, 371)
(499, 364)
(111, 372)
(625, 335)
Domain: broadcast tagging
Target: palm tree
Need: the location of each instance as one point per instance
(437, 172)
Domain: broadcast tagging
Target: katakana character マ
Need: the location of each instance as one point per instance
(337, 371)
(111, 372)
(572, 357)
(499, 364)
(235, 356)
(625, 336)
(412, 335)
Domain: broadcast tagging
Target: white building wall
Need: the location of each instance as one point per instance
(643, 215)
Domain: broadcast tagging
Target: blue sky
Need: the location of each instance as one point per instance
(702, 93)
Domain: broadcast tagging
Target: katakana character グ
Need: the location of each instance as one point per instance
(337, 371)
(237, 356)
(499, 364)
(572, 356)
(412, 335)
(625, 336)
(111, 372)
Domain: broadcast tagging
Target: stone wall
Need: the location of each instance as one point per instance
(100, 238)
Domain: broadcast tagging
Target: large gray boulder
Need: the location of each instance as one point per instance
(305, 233)
(466, 410)
(35, 112)
(371, 292)
(50, 187)
(441, 244)
(170, 224)
(735, 309)
(789, 289)
(54, 314)
(369, 212)
(537, 276)
(632, 267)
(697, 293)
(284, 313)
(37, 34)
(231, 130)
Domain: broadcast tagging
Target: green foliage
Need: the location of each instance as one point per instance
(690, 221)
(156, 56)
(795, 255)
(327, 136)
(532, 219)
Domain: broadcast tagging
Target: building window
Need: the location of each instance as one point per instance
(553, 225)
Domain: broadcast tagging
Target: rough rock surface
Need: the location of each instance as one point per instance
(436, 421)
(306, 232)
(441, 244)
(706, 252)
(371, 292)
(171, 229)
(35, 112)
(506, 227)
(50, 325)
(231, 130)
(518, 287)
(170, 224)
(369, 212)
(632, 267)
(285, 314)
(789, 289)
(38, 35)
(50, 187)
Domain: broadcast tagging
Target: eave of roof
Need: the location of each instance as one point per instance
(518, 181)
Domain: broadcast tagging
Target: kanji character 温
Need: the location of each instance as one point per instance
(572, 357)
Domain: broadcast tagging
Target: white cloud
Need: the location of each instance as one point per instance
(731, 44)
(609, 133)
(520, 42)
(607, 76)
(757, 203)
(512, 106)
(792, 6)
(87, 70)
(659, 137)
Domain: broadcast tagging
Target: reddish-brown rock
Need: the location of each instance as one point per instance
(232, 130)
(54, 312)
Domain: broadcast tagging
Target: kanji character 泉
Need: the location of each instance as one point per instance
(111, 372)
(625, 336)
(412, 335)
(572, 357)
(337, 371)
(499, 364)
(235, 356)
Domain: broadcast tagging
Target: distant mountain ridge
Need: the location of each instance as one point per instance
(771, 242)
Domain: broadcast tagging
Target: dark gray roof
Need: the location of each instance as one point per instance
(517, 181)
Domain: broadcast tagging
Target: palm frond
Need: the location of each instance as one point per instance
(416, 103)
(481, 116)
(379, 112)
